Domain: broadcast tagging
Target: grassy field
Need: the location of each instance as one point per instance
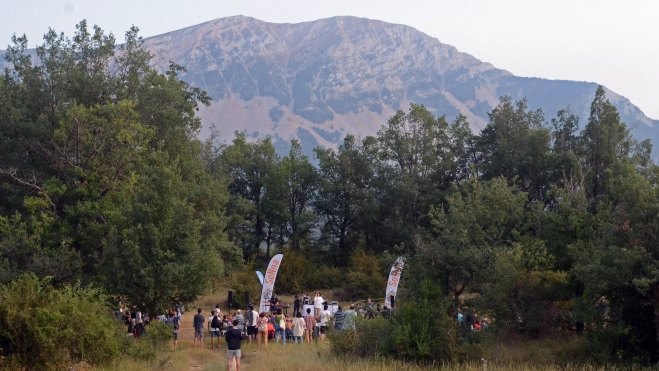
(316, 356)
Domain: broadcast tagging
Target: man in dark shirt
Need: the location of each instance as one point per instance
(233, 339)
(274, 301)
(296, 305)
(198, 322)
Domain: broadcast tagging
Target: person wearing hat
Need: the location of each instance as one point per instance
(252, 319)
(241, 320)
(214, 331)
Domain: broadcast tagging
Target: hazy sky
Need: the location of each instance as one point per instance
(614, 43)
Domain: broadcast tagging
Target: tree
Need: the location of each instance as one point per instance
(605, 141)
(344, 196)
(249, 167)
(165, 246)
(481, 221)
(300, 181)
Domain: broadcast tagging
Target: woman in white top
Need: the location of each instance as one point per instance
(298, 327)
(318, 304)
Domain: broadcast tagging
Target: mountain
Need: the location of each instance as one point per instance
(317, 81)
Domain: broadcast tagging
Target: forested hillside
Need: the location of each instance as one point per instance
(550, 230)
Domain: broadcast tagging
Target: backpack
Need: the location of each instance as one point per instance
(216, 324)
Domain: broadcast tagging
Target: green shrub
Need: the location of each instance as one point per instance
(146, 347)
(371, 338)
(295, 272)
(244, 280)
(364, 278)
(46, 328)
(422, 329)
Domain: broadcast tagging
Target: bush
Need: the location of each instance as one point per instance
(46, 328)
(364, 278)
(371, 338)
(245, 280)
(422, 329)
(295, 272)
(146, 347)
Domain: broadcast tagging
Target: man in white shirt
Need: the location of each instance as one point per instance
(318, 304)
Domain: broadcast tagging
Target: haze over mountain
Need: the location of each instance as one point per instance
(317, 81)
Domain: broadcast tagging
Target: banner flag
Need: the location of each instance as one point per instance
(269, 282)
(260, 276)
(394, 279)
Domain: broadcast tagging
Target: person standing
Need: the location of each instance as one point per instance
(251, 320)
(198, 323)
(274, 303)
(296, 305)
(309, 323)
(305, 299)
(175, 325)
(318, 304)
(241, 320)
(298, 328)
(233, 338)
(263, 331)
(214, 325)
(324, 322)
(339, 317)
(280, 327)
(349, 318)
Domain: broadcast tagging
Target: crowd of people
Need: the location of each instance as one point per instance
(311, 319)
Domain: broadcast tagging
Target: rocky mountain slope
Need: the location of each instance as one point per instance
(320, 80)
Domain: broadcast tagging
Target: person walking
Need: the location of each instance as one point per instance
(175, 326)
(198, 323)
(233, 338)
(251, 320)
(263, 331)
(309, 323)
(339, 317)
(280, 327)
(298, 328)
(214, 326)
(318, 304)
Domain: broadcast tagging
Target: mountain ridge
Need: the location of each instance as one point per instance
(319, 80)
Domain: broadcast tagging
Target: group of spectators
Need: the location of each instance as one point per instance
(471, 321)
(135, 320)
(302, 326)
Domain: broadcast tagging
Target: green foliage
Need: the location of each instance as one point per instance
(372, 338)
(46, 328)
(364, 278)
(422, 329)
(244, 279)
(295, 275)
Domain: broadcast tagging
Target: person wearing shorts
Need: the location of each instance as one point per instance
(252, 321)
(233, 337)
(215, 332)
(263, 331)
(175, 327)
(198, 323)
(309, 324)
(325, 316)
